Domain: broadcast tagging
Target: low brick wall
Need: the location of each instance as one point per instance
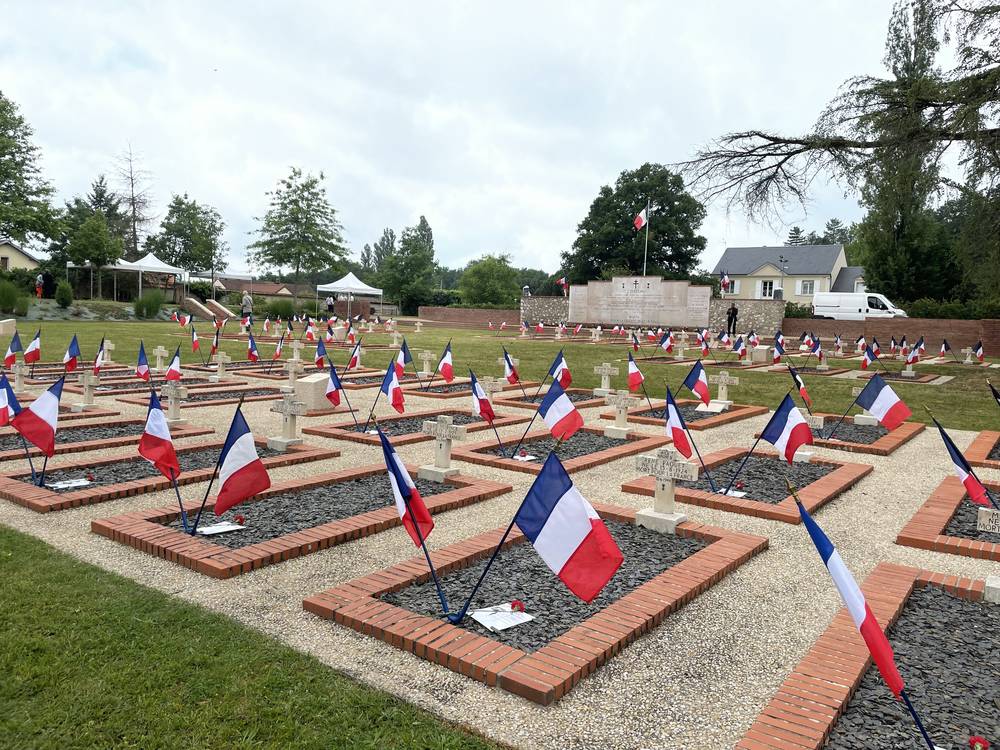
(960, 333)
(476, 316)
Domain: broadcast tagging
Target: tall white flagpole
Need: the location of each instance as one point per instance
(645, 250)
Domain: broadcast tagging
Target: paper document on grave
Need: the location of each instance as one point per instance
(220, 528)
(525, 457)
(68, 484)
(500, 617)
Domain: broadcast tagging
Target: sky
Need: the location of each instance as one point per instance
(498, 122)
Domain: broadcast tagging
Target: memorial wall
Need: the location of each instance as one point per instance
(640, 300)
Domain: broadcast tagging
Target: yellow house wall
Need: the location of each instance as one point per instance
(15, 258)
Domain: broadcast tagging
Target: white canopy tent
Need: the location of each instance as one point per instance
(350, 285)
(148, 263)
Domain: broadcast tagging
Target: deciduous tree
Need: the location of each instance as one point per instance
(190, 236)
(490, 280)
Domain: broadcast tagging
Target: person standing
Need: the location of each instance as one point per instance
(731, 315)
(246, 306)
(39, 282)
(329, 305)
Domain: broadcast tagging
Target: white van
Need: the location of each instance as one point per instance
(854, 306)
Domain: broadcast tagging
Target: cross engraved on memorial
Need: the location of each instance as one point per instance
(606, 370)
(173, 392)
(723, 380)
(160, 354)
(666, 466)
(622, 401)
(426, 358)
(290, 410)
(221, 359)
(443, 430)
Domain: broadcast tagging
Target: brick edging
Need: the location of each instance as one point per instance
(734, 413)
(978, 453)
(925, 530)
(884, 446)
(347, 431)
(177, 432)
(547, 674)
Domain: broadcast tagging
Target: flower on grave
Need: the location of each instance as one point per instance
(979, 743)
(240, 519)
(516, 605)
(89, 476)
(739, 484)
(522, 453)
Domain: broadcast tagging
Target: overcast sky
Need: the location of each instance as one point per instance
(499, 122)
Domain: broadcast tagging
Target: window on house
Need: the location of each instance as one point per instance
(808, 286)
(4, 263)
(734, 286)
(766, 289)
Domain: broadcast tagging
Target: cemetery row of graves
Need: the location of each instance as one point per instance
(610, 483)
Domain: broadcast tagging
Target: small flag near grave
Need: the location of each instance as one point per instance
(697, 382)
(174, 368)
(12, 349)
(9, 406)
(391, 389)
(72, 355)
(34, 351)
(39, 421)
(557, 411)
(155, 445)
(787, 429)
(142, 364)
(881, 402)
(412, 512)
(241, 472)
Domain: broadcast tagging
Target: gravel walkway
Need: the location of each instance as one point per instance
(762, 479)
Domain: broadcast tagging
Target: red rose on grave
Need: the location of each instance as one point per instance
(979, 743)
(89, 476)
(739, 484)
(522, 453)
(240, 520)
(517, 605)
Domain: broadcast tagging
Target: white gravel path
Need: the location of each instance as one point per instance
(696, 681)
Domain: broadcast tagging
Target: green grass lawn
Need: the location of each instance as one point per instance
(93, 660)
(964, 403)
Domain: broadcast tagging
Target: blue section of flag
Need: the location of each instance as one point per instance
(12, 402)
(15, 343)
(772, 432)
(956, 455)
(823, 544)
(142, 355)
(548, 488)
(237, 429)
(389, 453)
(671, 402)
(555, 392)
(335, 379)
(389, 374)
(555, 364)
(74, 348)
(405, 350)
(871, 391)
(694, 376)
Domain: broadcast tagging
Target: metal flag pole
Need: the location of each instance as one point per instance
(916, 720)
(211, 481)
(27, 454)
(747, 456)
(708, 474)
(41, 476)
(427, 555)
(650, 403)
(436, 368)
(372, 411)
(645, 250)
(180, 504)
(499, 441)
(346, 399)
(843, 417)
(526, 429)
(519, 383)
(972, 471)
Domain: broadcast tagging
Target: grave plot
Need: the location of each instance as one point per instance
(134, 385)
(544, 659)
(407, 428)
(984, 450)
(458, 388)
(898, 377)
(70, 484)
(809, 370)
(277, 372)
(581, 398)
(733, 364)
(354, 382)
(75, 438)
(817, 481)
(949, 522)
(206, 397)
(66, 413)
(588, 447)
(49, 376)
(665, 359)
(942, 632)
(292, 518)
(694, 418)
(239, 364)
(863, 438)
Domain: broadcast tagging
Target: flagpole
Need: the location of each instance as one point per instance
(841, 420)
(971, 470)
(27, 454)
(41, 478)
(650, 403)
(645, 250)
(916, 720)
(427, 555)
(438, 367)
(519, 383)
(346, 400)
(211, 481)
(747, 456)
(526, 429)
(711, 482)
(184, 519)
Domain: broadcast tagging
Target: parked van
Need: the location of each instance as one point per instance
(854, 306)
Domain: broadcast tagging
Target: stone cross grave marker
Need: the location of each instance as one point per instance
(967, 351)
(418, 327)
(222, 359)
(159, 354)
(296, 346)
(666, 466)
(294, 368)
(605, 370)
(395, 338)
(680, 344)
(865, 418)
(622, 401)
(88, 380)
(491, 386)
(988, 520)
(109, 351)
(290, 410)
(443, 430)
(173, 392)
(908, 371)
(20, 370)
(426, 358)
(723, 380)
(596, 333)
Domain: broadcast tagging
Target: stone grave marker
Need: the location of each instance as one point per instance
(370, 327)
(426, 358)
(865, 417)
(443, 430)
(605, 370)
(296, 346)
(418, 327)
(88, 380)
(622, 401)
(173, 392)
(159, 354)
(680, 344)
(8, 326)
(311, 391)
(992, 593)
(491, 386)
(20, 370)
(109, 350)
(221, 359)
(290, 410)
(988, 520)
(723, 380)
(908, 371)
(294, 368)
(967, 351)
(595, 334)
(395, 338)
(503, 365)
(666, 466)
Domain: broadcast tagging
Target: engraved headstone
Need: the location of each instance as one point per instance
(665, 466)
(221, 359)
(605, 370)
(622, 401)
(174, 392)
(723, 380)
(426, 358)
(443, 430)
(88, 380)
(20, 370)
(109, 351)
(395, 339)
(296, 346)
(159, 354)
(418, 327)
(988, 520)
(967, 351)
(290, 410)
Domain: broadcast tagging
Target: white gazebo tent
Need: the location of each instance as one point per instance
(148, 263)
(350, 285)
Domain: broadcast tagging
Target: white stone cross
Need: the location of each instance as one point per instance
(417, 327)
(109, 350)
(395, 338)
(595, 334)
(967, 351)
(605, 370)
(295, 368)
(290, 410)
(20, 370)
(160, 354)
(296, 346)
(680, 343)
(173, 392)
(665, 466)
(443, 430)
(622, 401)
(88, 380)
(426, 358)
(222, 359)
(723, 380)
(491, 385)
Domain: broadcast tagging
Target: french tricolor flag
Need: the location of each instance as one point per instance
(704, 342)
(185, 320)
(310, 331)
(328, 337)
(676, 429)
(724, 337)
(559, 371)
(445, 366)
(977, 350)
(320, 359)
(667, 342)
(155, 444)
(787, 430)
(883, 404)
(391, 388)
(800, 385)
(977, 492)
(567, 533)
(72, 355)
(12, 349)
(697, 383)
(914, 356)
(481, 405)
(635, 377)
(9, 406)
(99, 358)
(864, 620)
(333, 388)
(539, 328)
(509, 371)
(778, 351)
(215, 341)
(635, 342)
(174, 368)
(278, 347)
(740, 348)
(34, 351)
(868, 358)
(945, 347)
(779, 338)
(252, 354)
(876, 348)
(40, 420)
(267, 324)
(241, 472)
(412, 512)
(142, 364)
(195, 344)
(559, 414)
(354, 362)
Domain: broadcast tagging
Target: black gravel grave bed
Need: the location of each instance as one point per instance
(409, 425)
(213, 395)
(289, 512)
(130, 469)
(851, 433)
(994, 453)
(139, 385)
(898, 376)
(10, 442)
(581, 444)
(574, 397)
(688, 411)
(365, 379)
(446, 388)
(963, 524)
(519, 573)
(946, 652)
(812, 370)
(244, 365)
(763, 477)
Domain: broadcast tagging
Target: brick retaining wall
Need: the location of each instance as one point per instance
(476, 316)
(960, 333)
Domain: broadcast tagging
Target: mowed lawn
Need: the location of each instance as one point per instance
(963, 403)
(93, 660)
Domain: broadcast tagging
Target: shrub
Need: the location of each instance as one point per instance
(929, 308)
(149, 304)
(9, 294)
(201, 289)
(64, 294)
(21, 305)
(987, 308)
(280, 307)
(793, 310)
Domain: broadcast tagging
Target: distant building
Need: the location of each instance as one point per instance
(13, 256)
(799, 270)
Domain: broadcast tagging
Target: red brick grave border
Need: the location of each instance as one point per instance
(347, 431)
(978, 453)
(226, 396)
(823, 374)
(548, 674)
(925, 530)
(813, 496)
(145, 531)
(734, 413)
(635, 443)
(926, 377)
(812, 698)
(417, 389)
(13, 485)
(884, 446)
(157, 381)
(518, 402)
(176, 432)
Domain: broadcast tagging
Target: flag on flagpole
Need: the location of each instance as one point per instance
(868, 358)
(635, 342)
(975, 488)
(72, 355)
(310, 331)
(635, 377)
(354, 362)
(559, 414)
(977, 350)
(800, 385)
(12, 349)
(509, 371)
(241, 472)
(779, 337)
(391, 389)
(640, 220)
(945, 347)
(155, 444)
(667, 342)
(320, 359)
(787, 429)
(996, 394)
(215, 342)
(778, 351)
(676, 429)
(334, 388)
(559, 371)
(697, 382)
(876, 348)
(267, 324)
(99, 358)
(328, 337)
(34, 351)
(481, 405)
(410, 506)
(567, 533)
(174, 368)
(142, 364)
(740, 348)
(39, 421)
(195, 344)
(882, 403)
(252, 354)
(278, 347)
(445, 365)
(9, 406)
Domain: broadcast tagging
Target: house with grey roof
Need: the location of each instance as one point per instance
(791, 272)
(12, 255)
